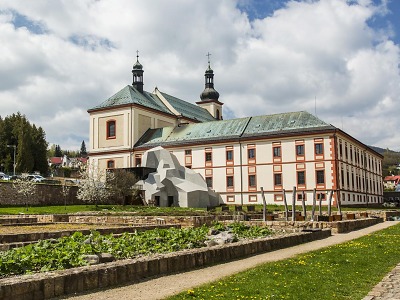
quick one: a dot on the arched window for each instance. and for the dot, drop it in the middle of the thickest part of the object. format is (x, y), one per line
(217, 114)
(111, 129)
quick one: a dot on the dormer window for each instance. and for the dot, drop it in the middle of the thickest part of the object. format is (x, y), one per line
(111, 132)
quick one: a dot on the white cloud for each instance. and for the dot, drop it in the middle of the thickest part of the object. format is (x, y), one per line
(305, 50)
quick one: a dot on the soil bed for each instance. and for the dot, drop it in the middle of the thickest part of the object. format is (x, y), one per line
(49, 228)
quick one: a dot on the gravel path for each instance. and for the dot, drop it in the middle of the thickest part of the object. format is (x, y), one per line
(165, 286)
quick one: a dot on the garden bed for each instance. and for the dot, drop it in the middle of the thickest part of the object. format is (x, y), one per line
(57, 283)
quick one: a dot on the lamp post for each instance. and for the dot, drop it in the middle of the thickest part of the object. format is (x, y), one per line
(15, 149)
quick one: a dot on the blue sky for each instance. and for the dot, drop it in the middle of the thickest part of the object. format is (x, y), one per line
(338, 59)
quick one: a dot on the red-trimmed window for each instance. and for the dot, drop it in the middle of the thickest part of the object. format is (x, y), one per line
(111, 129)
(277, 179)
(252, 181)
(251, 153)
(301, 177)
(209, 182)
(277, 151)
(319, 148)
(320, 175)
(229, 155)
(300, 150)
(110, 164)
(229, 181)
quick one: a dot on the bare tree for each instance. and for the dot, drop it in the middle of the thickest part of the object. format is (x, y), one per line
(65, 193)
(25, 187)
(93, 186)
(122, 183)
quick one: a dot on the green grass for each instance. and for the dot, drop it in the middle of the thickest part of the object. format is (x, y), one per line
(140, 210)
(106, 209)
(345, 271)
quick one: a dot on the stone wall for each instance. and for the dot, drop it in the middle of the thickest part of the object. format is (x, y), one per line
(336, 227)
(46, 194)
(58, 283)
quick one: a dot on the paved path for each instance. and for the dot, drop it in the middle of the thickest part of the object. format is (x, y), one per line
(388, 288)
(165, 286)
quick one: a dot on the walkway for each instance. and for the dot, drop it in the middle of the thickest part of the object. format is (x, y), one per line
(163, 287)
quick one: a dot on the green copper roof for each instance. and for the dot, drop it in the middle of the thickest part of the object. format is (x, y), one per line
(188, 109)
(284, 123)
(211, 131)
(129, 95)
(268, 125)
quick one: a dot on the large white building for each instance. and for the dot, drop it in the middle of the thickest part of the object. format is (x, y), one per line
(237, 157)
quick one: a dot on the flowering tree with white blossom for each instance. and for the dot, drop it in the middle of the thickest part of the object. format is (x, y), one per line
(94, 185)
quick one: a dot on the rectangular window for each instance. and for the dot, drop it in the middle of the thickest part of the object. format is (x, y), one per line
(319, 148)
(299, 149)
(111, 129)
(277, 151)
(209, 182)
(252, 180)
(208, 156)
(320, 174)
(138, 161)
(188, 152)
(229, 181)
(110, 164)
(229, 155)
(277, 179)
(251, 153)
(301, 179)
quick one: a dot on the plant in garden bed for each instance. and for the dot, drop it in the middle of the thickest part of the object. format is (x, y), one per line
(69, 251)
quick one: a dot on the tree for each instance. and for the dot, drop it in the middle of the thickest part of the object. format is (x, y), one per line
(39, 150)
(58, 152)
(30, 143)
(65, 193)
(25, 187)
(83, 152)
(93, 185)
(122, 184)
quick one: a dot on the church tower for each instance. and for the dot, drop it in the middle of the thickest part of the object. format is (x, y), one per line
(137, 73)
(209, 97)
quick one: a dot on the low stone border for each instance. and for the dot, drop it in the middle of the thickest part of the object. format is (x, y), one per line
(336, 227)
(54, 284)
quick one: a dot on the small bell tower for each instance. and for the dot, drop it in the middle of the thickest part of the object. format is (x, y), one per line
(137, 73)
(209, 97)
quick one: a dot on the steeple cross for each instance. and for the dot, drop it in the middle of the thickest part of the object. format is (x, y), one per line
(137, 55)
(208, 55)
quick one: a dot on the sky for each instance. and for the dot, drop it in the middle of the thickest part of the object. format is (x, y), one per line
(337, 59)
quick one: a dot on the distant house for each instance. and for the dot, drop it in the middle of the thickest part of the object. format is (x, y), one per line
(66, 162)
(390, 182)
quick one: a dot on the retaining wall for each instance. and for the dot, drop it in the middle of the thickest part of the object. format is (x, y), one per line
(58, 283)
(336, 227)
(46, 194)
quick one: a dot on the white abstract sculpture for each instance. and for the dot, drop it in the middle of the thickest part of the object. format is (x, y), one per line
(173, 184)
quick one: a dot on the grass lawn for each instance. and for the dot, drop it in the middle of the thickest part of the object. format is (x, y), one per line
(142, 210)
(345, 271)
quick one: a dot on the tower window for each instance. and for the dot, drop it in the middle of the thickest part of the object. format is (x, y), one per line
(111, 132)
